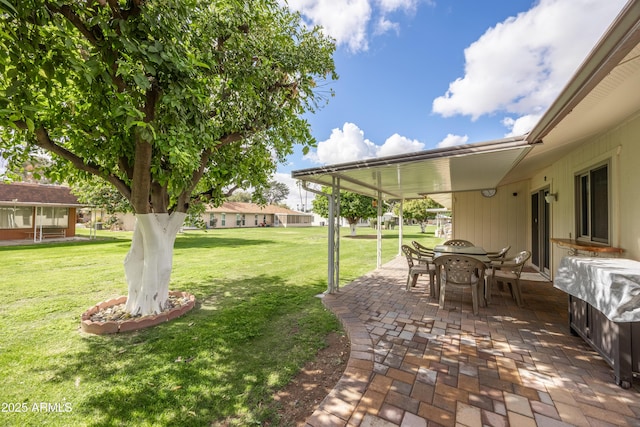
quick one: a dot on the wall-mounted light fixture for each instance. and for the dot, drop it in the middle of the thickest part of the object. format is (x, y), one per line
(551, 197)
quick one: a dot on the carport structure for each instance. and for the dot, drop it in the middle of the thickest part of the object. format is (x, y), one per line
(435, 173)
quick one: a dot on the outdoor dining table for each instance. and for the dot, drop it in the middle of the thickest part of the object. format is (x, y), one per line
(471, 251)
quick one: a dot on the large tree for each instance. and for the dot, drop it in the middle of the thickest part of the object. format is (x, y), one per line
(169, 101)
(353, 207)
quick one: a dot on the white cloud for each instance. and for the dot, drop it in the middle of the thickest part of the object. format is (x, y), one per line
(348, 21)
(388, 6)
(450, 140)
(349, 144)
(521, 125)
(344, 145)
(520, 65)
(345, 20)
(397, 144)
(384, 26)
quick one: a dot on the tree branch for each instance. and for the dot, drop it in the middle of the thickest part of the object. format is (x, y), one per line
(123, 164)
(115, 8)
(44, 141)
(185, 195)
(141, 184)
(93, 35)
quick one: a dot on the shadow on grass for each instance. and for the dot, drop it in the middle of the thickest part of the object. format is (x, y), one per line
(70, 243)
(217, 365)
(211, 240)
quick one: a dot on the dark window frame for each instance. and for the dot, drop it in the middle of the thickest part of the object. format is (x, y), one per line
(593, 203)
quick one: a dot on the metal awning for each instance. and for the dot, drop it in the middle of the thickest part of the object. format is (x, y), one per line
(415, 175)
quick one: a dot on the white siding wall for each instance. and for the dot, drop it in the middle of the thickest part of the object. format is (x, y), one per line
(622, 147)
(505, 219)
(495, 222)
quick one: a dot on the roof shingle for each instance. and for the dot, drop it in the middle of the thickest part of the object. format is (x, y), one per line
(36, 194)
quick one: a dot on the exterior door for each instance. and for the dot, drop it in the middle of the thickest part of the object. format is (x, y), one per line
(540, 235)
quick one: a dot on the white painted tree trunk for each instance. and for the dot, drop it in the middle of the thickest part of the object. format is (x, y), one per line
(353, 229)
(149, 262)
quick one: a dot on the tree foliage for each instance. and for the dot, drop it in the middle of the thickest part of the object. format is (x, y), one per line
(240, 196)
(275, 193)
(417, 210)
(101, 195)
(353, 206)
(169, 102)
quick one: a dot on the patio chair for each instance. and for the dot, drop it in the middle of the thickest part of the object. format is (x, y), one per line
(460, 271)
(426, 256)
(458, 242)
(507, 271)
(496, 258)
(499, 255)
(424, 250)
(418, 266)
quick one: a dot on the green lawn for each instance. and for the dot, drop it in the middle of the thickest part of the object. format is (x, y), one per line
(256, 322)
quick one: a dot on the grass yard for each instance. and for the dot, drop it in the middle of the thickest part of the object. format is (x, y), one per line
(256, 322)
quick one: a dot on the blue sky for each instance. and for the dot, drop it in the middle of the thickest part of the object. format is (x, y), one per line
(421, 74)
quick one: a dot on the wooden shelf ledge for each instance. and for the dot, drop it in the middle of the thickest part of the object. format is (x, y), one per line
(576, 245)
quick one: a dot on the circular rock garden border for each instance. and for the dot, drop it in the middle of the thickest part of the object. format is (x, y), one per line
(135, 323)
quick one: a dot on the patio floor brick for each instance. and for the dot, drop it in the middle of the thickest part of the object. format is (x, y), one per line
(414, 364)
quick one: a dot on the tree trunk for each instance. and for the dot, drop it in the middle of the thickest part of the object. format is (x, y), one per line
(353, 229)
(423, 227)
(148, 264)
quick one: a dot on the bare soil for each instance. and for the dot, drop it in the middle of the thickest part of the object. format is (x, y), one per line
(300, 398)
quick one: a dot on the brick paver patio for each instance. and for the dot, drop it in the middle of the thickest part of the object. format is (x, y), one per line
(414, 365)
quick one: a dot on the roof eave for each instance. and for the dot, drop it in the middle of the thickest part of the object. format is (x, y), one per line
(620, 38)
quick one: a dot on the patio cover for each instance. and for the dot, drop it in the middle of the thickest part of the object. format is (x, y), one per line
(432, 172)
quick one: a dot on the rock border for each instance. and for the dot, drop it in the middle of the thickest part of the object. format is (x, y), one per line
(133, 324)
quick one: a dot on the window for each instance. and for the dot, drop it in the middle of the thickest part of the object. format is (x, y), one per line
(53, 217)
(256, 220)
(592, 204)
(238, 220)
(223, 220)
(16, 217)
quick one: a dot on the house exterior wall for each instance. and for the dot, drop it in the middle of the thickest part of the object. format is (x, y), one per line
(493, 222)
(505, 219)
(127, 221)
(231, 220)
(621, 147)
(27, 232)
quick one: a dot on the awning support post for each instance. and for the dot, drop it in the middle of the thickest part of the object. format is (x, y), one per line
(334, 237)
(333, 261)
(400, 226)
(379, 235)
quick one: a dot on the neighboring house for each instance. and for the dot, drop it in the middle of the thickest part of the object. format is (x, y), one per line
(36, 211)
(575, 176)
(239, 214)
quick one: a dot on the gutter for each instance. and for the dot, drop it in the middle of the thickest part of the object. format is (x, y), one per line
(456, 151)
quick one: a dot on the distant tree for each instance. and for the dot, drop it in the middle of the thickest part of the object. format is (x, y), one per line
(275, 193)
(417, 210)
(31, 170)
(353, 207)
(99, 194)
(240, 196)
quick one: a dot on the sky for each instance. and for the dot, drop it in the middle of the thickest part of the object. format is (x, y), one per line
(422, 74)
